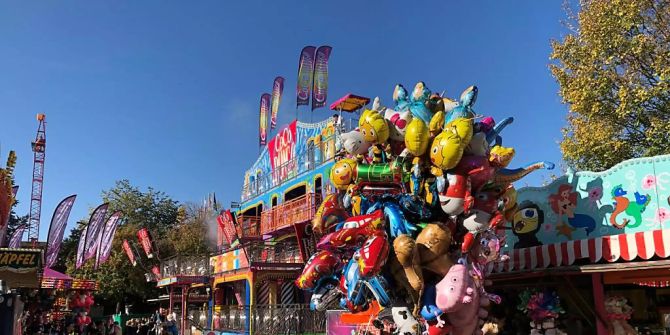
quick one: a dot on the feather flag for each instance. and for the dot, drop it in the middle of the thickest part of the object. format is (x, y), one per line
(320, 90)
(57, 229)
(277, 90)
(264, 110)
(15, 240)
(305, 75)
(107, 237)
(95, 224)
(80, 248)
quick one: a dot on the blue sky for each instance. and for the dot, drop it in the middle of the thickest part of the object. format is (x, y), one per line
(165, 93)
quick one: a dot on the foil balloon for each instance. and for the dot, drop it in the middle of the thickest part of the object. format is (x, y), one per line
(398, 122)
(446, 150)
(342, 173)
(373, 126)
(417, 137)
(464, 107)
(354, 143)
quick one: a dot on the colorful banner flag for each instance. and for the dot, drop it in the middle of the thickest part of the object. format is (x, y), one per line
(156, 271)
(80, 248)
(15, 240)
(95, 224)
(305, 75)
(129, 252)
(277, 90)
(57, 229)
(107, 237)
(320, 89)
(226, 221)
(264, 111)
(3, 228)
(145, 240)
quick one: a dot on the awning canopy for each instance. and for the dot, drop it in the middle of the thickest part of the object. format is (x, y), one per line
(349, 103)
(54, 279)
(643, 245)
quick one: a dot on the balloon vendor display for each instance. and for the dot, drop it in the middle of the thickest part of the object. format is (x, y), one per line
(423, 188)
(543, 309)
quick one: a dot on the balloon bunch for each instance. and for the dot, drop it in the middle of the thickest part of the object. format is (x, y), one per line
(80, 305)
(618, 314)
(423, 187)
(542, 308)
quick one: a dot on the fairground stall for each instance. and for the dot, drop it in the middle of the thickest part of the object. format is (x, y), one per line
(186, 280)
(20, 271)
(265, 241)
(68, 300)
(601, 241)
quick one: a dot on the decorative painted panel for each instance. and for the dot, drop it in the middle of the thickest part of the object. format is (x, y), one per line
(229, 261)
(632, 196)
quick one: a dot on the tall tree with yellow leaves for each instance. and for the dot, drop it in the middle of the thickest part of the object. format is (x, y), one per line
(614, 73)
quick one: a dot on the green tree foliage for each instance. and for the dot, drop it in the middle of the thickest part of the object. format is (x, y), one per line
(174, 229)
(614, 72)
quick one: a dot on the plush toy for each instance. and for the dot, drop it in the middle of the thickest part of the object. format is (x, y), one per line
(618, 314)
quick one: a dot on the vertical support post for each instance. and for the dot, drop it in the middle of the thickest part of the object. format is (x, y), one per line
(249, 302)
(599, 302)
(171, 300)
(184, 310)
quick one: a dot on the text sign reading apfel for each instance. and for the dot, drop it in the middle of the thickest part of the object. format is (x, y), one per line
(19, 260)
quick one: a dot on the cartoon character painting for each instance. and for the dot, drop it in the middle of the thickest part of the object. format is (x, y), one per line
(633, 209)
(526, 223)
(564, 202)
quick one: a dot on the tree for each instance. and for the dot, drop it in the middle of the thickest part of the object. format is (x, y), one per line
(190, 236)
(118, 279)
(614, 72)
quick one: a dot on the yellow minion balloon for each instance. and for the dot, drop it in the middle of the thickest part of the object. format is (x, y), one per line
(417, 137)
(446, 150)
(373, 127)
(342, 173)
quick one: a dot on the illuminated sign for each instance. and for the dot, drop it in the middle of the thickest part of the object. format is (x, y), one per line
(17, 260)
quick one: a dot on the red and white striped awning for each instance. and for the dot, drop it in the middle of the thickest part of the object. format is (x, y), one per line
(610, 248)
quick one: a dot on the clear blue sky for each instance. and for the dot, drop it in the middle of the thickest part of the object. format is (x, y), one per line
(166, 93)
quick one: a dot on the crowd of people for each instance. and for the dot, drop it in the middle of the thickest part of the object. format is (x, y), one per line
(158, 324)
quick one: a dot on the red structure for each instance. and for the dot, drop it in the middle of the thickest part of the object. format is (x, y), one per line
(39, 148)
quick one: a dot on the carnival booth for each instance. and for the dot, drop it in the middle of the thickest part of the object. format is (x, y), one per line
(602, 241)
(70, 300)
(19, 276)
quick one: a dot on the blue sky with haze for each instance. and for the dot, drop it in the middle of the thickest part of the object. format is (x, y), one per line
(165, 93)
